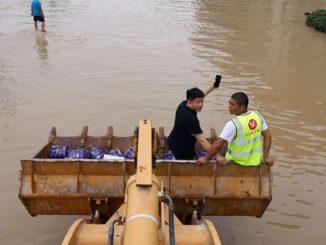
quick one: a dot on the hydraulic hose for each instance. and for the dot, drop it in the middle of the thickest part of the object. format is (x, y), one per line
(169, 202)
(111, 232)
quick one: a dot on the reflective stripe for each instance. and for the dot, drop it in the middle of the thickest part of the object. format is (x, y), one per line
(147, 216)
(261, 118)
(244, 153)
(238, 125)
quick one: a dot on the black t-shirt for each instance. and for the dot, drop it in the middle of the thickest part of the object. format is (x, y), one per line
(182, 139)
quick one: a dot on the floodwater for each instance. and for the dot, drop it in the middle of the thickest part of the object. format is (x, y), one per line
(107, 63)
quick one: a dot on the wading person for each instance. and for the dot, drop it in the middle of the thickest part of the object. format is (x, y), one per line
(186, 130)
(247, 136)
(37, 13)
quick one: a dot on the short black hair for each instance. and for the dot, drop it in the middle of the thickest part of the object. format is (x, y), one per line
(194, 93)
(241, 98)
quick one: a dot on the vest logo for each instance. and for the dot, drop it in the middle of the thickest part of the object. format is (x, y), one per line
(252, 124)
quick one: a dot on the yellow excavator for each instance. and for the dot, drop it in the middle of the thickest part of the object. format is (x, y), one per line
(143, 201)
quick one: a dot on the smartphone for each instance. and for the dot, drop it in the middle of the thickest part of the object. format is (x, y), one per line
(217, 81)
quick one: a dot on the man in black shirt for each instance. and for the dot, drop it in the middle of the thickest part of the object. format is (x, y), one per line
(186, 128)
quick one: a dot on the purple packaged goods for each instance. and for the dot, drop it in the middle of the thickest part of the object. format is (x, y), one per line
(130, 153)
(169, 156)
(58, 152)
(97, 153)
(116, 152)
(78, 153)
(203, 153)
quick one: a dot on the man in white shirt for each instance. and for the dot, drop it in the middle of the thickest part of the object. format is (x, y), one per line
(247, 135)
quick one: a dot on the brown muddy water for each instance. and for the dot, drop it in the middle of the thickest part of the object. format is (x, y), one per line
(114, 62)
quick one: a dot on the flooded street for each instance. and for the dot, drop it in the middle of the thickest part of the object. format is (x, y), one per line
(107, 63)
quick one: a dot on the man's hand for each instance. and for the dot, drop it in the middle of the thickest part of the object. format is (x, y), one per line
(217, 81)
(221, 160)
(202, 161)
(268, 161)
(214, 86)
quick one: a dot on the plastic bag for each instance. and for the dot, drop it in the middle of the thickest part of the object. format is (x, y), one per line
(116, 152)
(130, 153)
(80, 153)
(58, 152)
(97, 153)
(203, 153)
(169, 156)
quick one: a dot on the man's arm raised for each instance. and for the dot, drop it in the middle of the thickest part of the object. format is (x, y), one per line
(214, 86)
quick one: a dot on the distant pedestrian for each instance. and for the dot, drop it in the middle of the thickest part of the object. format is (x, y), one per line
(37, 13)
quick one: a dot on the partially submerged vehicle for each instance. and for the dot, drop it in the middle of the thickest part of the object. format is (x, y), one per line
(100, 188)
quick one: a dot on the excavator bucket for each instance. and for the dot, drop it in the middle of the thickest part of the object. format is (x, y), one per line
(81, 186)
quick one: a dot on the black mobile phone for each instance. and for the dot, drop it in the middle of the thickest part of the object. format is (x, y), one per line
(217, 81)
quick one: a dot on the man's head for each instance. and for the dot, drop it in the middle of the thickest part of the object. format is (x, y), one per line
(238, 103)
(195, 99)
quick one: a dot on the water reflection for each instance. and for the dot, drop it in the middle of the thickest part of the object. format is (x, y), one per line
(41, 45)
(286, 226)
(300, 216)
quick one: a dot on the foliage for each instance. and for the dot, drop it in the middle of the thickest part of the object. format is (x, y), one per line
(317, 19)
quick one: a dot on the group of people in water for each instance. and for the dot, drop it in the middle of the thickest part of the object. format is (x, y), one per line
(246, 136)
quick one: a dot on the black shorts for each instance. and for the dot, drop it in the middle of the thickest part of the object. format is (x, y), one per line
(39, 18)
